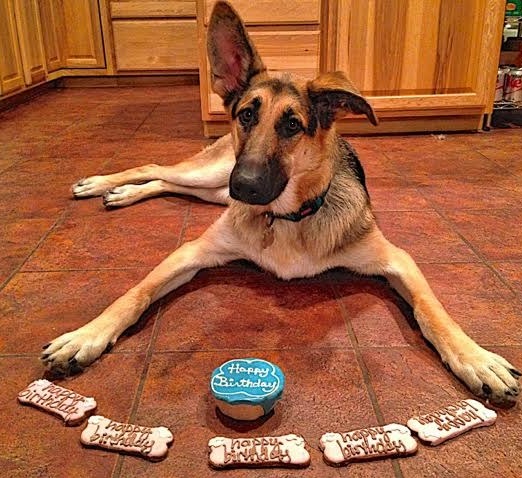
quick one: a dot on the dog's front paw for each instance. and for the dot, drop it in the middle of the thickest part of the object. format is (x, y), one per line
(488, 375)
(122, 195)
(90, 187)
(73, 351)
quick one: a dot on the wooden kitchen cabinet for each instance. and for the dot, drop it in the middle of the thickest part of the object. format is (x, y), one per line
(11, 71)
(29, 39)
(81, 35)
(51, 29)
(424, 64)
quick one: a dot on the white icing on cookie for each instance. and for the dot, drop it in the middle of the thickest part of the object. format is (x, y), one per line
(105, 433)
(72, 407)
(95, 419)
(451, 421)
(367, 443)
(286, 450)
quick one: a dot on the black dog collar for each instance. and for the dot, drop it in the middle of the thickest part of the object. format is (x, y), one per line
(308, 208)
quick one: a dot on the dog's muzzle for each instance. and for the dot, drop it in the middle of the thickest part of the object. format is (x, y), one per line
(257, 183)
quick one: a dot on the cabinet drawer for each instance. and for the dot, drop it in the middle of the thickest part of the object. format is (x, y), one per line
(282, 51)
(151, 9)
(155, 44)
(265, 12)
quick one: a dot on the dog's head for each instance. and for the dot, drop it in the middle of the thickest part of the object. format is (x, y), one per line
(279, 125)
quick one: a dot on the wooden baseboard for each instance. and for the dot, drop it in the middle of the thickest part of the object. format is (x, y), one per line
(430, 124)
(427, 124)
(118, 81)
(23, 96)
(215, 129)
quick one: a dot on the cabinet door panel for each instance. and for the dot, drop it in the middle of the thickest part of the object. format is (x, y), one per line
(417, 47)
(81, 36)
(29, 37)
(11, 72)
(50, 34)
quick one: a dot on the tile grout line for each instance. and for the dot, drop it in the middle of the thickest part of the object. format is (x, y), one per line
(357, 351)
(506, 282)
(156, 105)
(364, 371)
(130, 268)
(482, 259)
(141, 385)
(494, 161)
(476, 251)
(182, 230)
(117, 151)
(39, 144)
(42, 239)
(213, 351)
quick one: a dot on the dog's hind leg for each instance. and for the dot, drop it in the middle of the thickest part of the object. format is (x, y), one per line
(130, 193)
(205, 175)
(485, 373)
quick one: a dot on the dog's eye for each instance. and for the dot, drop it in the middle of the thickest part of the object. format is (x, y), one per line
(245, 116)
(293, 126)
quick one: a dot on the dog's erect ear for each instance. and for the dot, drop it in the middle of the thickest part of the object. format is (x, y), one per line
(233, 57)
(333, 96)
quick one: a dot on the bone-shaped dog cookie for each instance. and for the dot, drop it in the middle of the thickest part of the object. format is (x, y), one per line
(367, 443)
(286, 450)
(72, 407)
(452, 420)
(152, 443)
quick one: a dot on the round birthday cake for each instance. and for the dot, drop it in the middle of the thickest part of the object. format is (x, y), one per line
(247, 389)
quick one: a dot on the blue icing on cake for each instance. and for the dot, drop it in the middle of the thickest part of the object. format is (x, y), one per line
(248, 382)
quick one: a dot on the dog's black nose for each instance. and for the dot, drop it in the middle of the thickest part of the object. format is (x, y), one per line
(249, 189)
(257, 182)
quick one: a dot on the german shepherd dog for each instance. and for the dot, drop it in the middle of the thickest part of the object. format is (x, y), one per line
(297, 206)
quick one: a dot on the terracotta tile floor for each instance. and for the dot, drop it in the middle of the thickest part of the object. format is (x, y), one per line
(351, 355)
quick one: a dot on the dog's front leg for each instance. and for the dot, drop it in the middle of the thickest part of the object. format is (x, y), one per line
(81, 347)
(486, 374)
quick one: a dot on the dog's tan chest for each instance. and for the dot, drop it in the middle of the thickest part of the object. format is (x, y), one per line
(285, 264)
(286, 256)
(287, 249)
